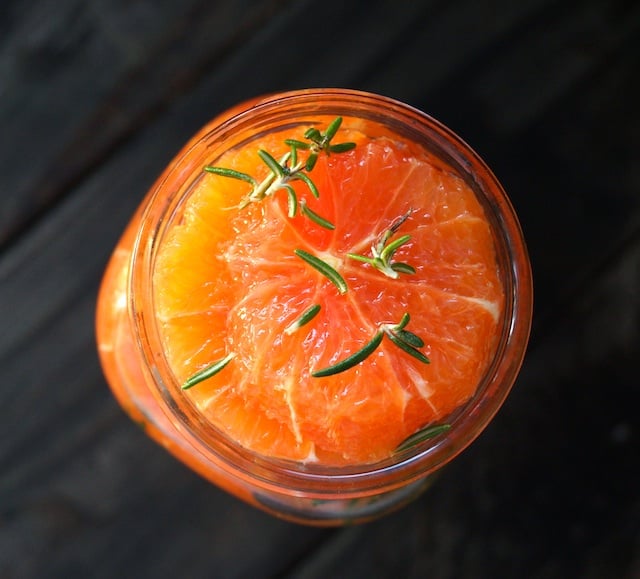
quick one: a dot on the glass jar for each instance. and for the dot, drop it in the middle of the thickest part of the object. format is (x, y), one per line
(137, 371)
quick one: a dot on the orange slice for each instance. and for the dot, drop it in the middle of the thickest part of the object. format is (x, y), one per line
(228, 281)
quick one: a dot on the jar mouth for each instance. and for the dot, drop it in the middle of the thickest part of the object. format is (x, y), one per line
(467, 422)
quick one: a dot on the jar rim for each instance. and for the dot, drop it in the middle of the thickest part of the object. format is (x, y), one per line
(467, 422)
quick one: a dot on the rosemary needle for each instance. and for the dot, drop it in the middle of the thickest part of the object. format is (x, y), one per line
(352, 360)
(232, 173)
(208, 372)
(321, 221)
(304, 319)
(407, 346)
(404, 339)
(324, 268)
(425, 434)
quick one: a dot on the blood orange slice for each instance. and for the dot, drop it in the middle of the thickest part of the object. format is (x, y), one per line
(229, 282)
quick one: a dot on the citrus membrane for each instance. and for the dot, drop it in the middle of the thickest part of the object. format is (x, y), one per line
(229, 283)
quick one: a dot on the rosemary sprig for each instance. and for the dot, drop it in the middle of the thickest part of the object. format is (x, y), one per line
(320, 142)
(324, 268)
(304, 319)
(426, 433)
(384, 250)
(290, 168)
(404, 339)
(208, 372)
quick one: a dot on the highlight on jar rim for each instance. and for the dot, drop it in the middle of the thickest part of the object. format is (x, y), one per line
(324, 298)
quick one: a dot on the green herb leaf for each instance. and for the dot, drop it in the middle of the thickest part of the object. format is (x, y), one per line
(275, 167)
(387, 253)
(232, 173)
(208, 372)
(304, 319)
(404, 339)
(342, 147)
(401, 267)
(321, 221)
(332, 129)
(308, 182)
(294, 156)
(425, 434)
(410, 338)
(297, 144)
(361, 258)
(292, 201)
(311, 161)
(352, 360)
(409, 349)
(402, 324)
(324, 268)
(313, 134)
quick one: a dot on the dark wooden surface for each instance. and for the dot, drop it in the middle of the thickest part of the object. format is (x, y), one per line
(97, 96)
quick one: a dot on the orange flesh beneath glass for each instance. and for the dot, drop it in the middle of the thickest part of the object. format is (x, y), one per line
(227, 280)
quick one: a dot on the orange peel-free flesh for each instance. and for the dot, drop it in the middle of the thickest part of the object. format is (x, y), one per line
(227, 280)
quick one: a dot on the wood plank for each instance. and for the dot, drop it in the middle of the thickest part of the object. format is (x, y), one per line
(548, 136)
(79, 78)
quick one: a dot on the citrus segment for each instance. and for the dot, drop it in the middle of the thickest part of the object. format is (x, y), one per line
(227, 280)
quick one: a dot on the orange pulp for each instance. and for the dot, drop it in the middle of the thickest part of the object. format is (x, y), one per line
(227, 280)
